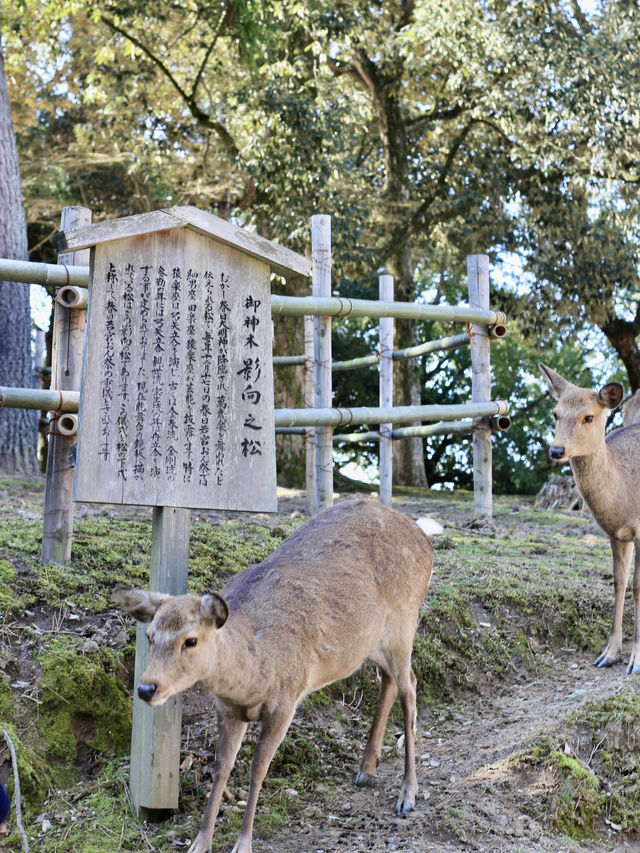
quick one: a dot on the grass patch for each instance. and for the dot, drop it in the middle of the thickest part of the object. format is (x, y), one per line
(592, 770)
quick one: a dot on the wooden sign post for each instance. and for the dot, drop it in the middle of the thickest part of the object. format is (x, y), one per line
(176, 406)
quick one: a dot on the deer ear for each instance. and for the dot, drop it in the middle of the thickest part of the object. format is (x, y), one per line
(213, 608)
(610, 395)
(138, 603)
(556, 384)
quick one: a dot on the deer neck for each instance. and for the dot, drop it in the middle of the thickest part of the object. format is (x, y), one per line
(236, 665)
(591, 472)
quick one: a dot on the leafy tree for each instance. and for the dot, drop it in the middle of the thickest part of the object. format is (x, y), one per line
(428, 131)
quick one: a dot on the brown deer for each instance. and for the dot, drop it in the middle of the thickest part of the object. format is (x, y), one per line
(346, 587)
(631, 411)
(607, 474)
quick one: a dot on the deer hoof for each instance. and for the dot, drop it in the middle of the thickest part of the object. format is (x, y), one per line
(405, 805)
(364, 778)
(199, 846)
(605, 660)
(633, 668)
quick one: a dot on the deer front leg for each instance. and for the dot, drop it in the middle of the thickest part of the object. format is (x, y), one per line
(634, 660)
(621, 564)
(274, 728)
(231, 733)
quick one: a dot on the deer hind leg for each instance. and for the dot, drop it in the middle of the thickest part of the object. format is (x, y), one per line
(634, 660)
(621, 564)
(386, 697)
(406, 681)
(231, 734)
(398, 663)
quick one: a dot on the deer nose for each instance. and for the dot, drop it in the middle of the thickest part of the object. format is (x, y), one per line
(147, 691)
(556, 452)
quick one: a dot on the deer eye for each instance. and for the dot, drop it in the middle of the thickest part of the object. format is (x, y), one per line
(190, 642)
(587, 419)
(556, 416)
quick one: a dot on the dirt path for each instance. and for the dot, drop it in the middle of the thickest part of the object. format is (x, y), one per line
(470, 799)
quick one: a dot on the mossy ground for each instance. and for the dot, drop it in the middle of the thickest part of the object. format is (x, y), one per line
(499, 597)
(592, 768)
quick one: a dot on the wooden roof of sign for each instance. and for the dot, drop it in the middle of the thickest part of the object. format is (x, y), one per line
(281, 260)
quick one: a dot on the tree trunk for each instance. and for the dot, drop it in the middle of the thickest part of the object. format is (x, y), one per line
(18, 427)
(408, 453)
(621, 334)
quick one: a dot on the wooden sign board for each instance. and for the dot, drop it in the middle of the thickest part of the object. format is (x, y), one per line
(177, 407)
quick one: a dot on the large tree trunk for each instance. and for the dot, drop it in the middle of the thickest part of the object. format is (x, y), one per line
(18, 427)
(621, 334)
(408, 453)
(386, 98)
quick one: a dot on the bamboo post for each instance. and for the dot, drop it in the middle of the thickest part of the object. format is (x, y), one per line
(321, 287)
(385, 284)
(309, 432)
(66, 373)
(155, 737)
(478, 278)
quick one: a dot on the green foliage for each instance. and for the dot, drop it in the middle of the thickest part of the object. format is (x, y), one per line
(84, 701)
(427, 132)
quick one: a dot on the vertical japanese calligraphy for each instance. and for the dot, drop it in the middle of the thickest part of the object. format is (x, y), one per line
(250, 443)
(124, 373)
(111, 282)
(222, 382)
(188, 413)
(177, 399)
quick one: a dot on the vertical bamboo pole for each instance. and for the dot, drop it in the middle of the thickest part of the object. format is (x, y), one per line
(66, 374)
(385, 283)
(478, 278)
(155, 737)
(310, 432)
(321, 286)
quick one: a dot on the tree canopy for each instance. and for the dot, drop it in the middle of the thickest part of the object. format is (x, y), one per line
(427, 130)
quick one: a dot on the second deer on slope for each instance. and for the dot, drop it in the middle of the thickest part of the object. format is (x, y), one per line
(607, 474)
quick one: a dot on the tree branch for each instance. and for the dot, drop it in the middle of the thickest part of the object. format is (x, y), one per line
(190, 99)
(417, 220)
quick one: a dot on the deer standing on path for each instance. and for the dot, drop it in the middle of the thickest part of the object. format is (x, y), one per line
(344, 588)
(607, 474)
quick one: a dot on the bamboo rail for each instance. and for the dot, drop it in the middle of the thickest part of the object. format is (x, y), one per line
(336, 306)
(439, 345)
(69, 401)
(290, 306)
(37, 398)
(499, 423)
(30, 272)
(394, 414)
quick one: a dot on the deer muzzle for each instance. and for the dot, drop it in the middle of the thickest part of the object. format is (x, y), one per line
(146, 692)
